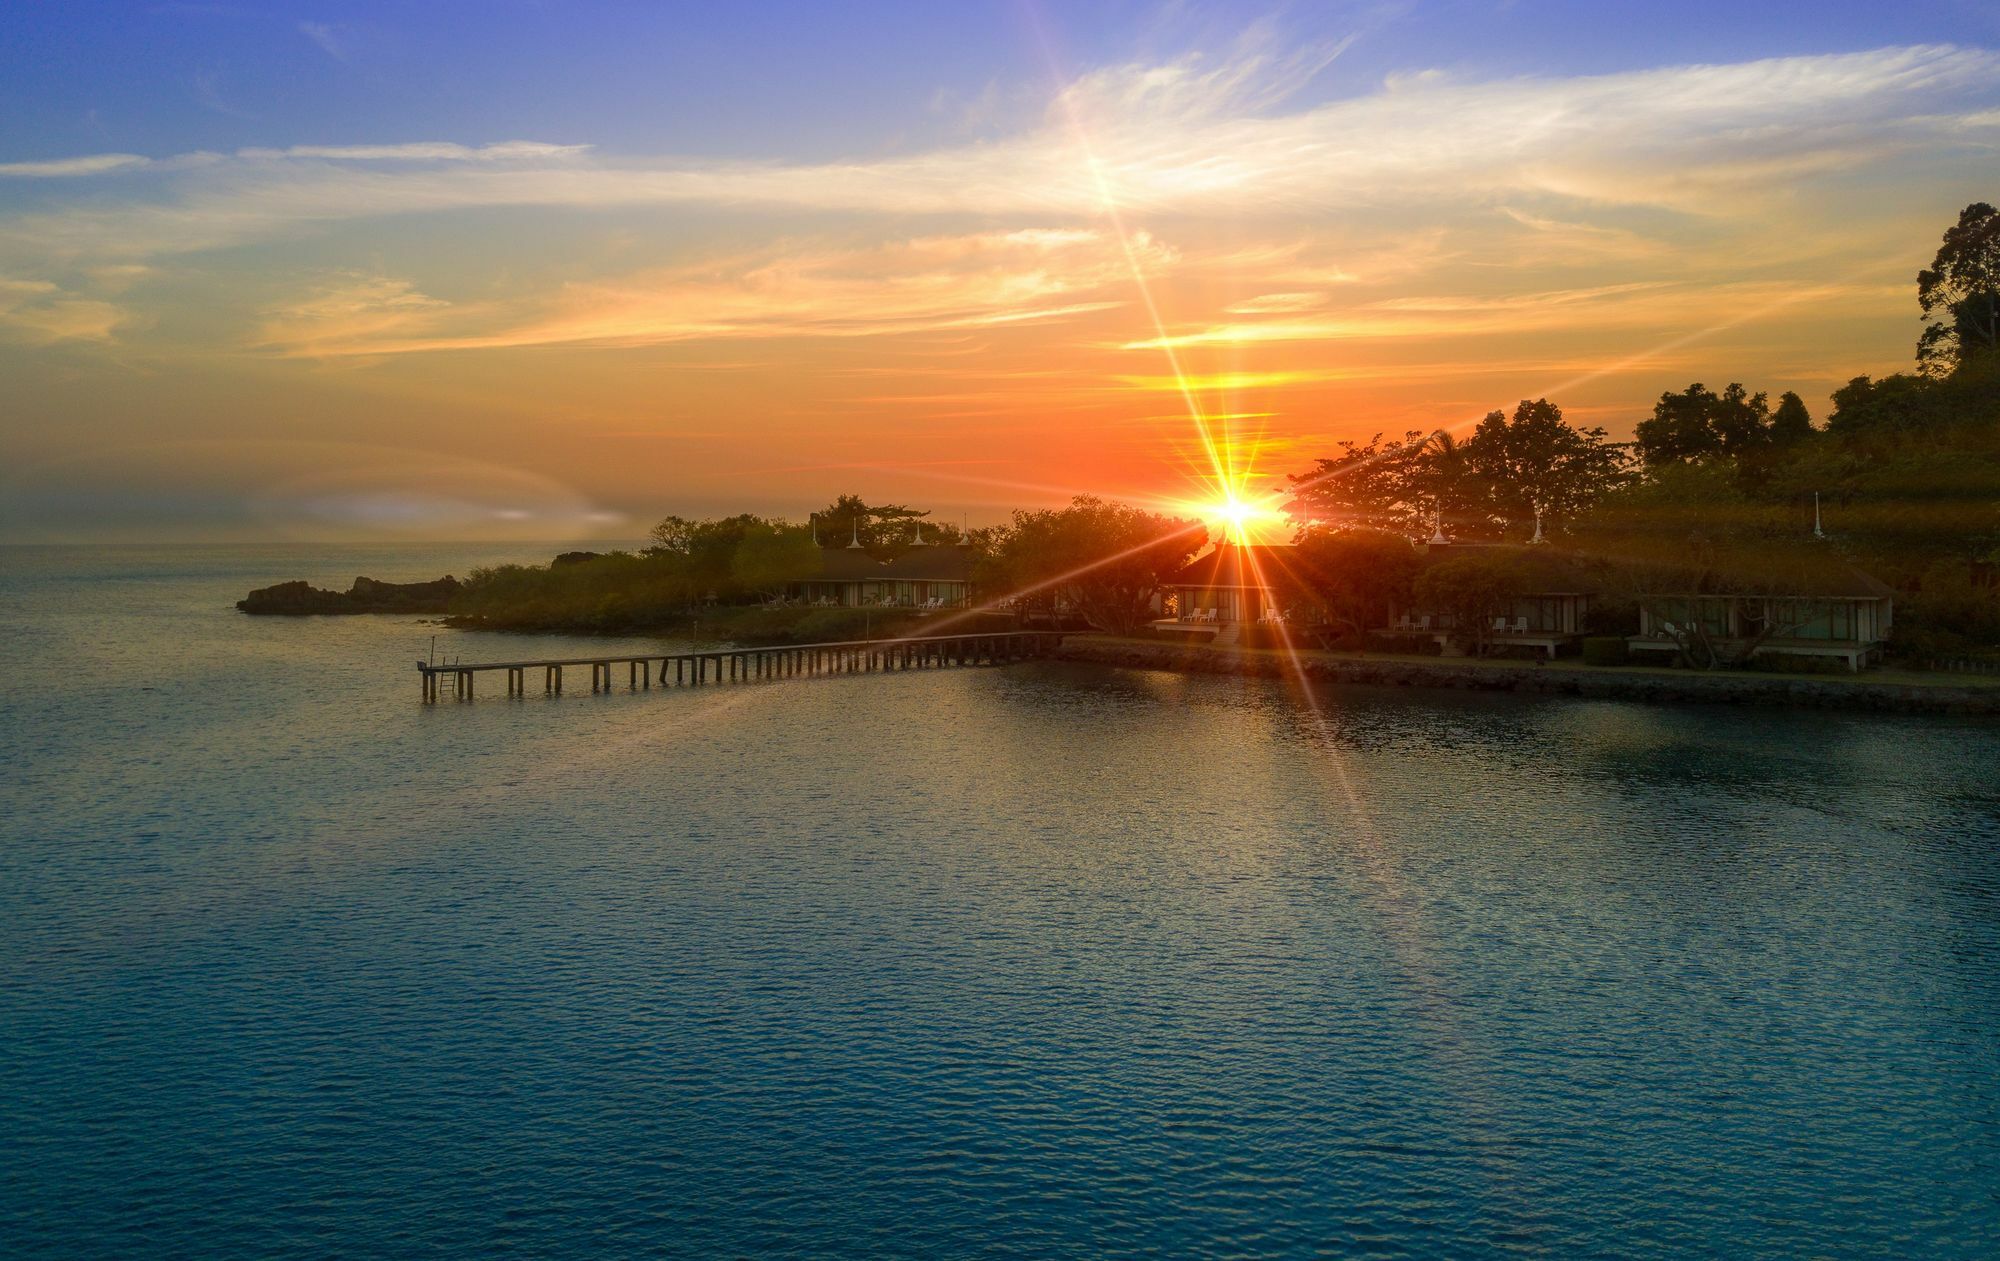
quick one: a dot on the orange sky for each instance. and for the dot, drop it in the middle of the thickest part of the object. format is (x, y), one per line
(542, 340)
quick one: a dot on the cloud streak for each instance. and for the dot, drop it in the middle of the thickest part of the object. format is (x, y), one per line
(983, 280)
(1183, 139)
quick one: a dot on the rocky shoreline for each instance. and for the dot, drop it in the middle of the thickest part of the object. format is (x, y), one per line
(1655, 686)
(302, 599)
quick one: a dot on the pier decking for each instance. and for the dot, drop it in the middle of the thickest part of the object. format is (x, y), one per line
(744, 665)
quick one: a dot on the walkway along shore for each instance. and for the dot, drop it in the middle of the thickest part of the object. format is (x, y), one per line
(1526, 678)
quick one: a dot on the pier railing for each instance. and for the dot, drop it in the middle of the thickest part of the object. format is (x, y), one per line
(744, 665)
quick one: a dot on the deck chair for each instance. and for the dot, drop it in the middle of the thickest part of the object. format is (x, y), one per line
(1520, 626)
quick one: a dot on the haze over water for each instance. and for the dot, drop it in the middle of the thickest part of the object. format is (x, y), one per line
(1026, 961)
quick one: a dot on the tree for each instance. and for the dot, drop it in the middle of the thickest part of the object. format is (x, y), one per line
(1960, 294)
(1791, 422)
(1690, 533)
(1537, 470)
(884, 529)
(705, 551)
(1344, 579)
(771, 557)
(1104, 560)
(1473, 590)
(1378, 486)
(1698, 424)
(1448, 478)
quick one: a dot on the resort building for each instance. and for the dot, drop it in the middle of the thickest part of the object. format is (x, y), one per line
(1224, 589)
(931, 576)
(1826, 610)
(1546, 615)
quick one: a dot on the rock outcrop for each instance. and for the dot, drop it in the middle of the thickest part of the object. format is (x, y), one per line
(296, 599)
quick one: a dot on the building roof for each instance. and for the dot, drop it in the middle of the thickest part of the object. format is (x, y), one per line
(934, 563)
(1548, 569)
(1804, 571)
(1236, 565)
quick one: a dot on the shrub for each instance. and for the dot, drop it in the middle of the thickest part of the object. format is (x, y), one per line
(1605, 650)
(1610, 615)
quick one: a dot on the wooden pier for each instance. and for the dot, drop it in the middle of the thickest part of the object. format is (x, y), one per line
(746, 665)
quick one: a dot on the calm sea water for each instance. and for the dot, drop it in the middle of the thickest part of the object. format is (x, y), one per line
(1033, 961)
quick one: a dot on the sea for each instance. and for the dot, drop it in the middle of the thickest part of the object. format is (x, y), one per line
(1041, 960)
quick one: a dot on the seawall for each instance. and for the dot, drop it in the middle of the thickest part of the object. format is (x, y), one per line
(1655, 686)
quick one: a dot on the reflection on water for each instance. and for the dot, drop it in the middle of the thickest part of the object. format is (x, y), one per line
(1025, 961)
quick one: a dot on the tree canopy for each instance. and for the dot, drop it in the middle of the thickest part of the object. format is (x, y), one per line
(1960, 295)
(883, 529)
(1105, 560)
(1511, 474)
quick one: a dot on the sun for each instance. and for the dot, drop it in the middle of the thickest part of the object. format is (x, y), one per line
(1239, 517)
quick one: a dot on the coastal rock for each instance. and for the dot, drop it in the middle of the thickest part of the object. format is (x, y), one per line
(367, 595)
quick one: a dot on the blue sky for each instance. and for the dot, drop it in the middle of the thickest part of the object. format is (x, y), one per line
(777, 80)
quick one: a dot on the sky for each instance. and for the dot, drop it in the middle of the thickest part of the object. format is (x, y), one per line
(549, 271)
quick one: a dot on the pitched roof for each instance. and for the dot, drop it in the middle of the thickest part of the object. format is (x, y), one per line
(935, 563)
(1235, 565)
(1548, 569)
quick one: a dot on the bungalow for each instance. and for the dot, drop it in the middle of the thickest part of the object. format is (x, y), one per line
(1547, 612)
(1225, 588)
(1823, 609)
(924, 577)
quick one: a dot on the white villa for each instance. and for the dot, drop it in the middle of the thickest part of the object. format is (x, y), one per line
(1837, 612)
(1548, 616)
(931, 576)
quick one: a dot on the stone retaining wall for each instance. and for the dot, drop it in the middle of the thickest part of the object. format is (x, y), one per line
(1536, 680)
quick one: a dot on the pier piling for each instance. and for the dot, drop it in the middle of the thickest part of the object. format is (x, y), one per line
(745, 665)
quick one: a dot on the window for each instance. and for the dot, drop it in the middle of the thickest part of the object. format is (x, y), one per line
(1814, 619)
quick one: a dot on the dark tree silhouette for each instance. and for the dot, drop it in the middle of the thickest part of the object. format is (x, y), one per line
(1960, 294)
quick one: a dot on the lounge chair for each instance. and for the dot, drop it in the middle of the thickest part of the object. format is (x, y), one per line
(1520, 626)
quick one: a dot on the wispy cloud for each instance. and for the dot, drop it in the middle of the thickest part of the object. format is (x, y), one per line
(919, 285)
(69, 168)
(1185, 138)
(1638, 304)
(331, 39)
(41, 312)
(207, 87)
(422, 151)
